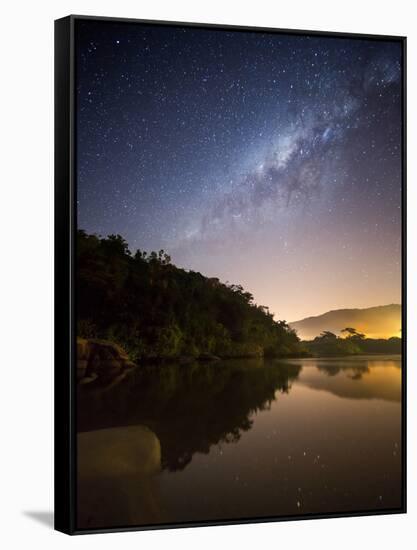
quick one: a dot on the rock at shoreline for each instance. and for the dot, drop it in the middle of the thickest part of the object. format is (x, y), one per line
(100, 360)
(116, 476)
(129, 450)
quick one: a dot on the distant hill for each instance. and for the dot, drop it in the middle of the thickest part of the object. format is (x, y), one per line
(374, 322)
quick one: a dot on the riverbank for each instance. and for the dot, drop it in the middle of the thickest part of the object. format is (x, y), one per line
(105, 361)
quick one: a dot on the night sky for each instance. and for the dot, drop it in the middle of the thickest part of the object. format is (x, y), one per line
(267, 160)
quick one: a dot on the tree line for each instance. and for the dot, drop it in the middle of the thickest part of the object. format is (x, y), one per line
(351, 342)
(156, 310)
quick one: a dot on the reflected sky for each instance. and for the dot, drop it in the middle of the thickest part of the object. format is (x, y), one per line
(378, 379)
(254, 439)
(313, 451)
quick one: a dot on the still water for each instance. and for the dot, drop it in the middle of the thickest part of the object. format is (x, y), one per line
(241, 439)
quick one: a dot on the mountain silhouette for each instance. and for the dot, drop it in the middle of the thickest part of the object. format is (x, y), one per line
(374, 322)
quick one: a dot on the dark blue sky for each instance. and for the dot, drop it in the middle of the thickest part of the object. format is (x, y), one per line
(269, 160)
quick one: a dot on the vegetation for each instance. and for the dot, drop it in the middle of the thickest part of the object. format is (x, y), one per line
(351, 342)
(156, 310)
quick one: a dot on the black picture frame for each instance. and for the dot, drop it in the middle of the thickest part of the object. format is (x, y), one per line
(65, 227)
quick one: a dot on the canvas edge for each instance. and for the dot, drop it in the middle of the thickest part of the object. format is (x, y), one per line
(64, 472)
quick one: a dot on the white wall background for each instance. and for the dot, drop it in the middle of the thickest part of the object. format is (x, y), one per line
(26, 289)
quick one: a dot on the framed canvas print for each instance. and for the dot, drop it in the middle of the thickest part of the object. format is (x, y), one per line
(230, 283)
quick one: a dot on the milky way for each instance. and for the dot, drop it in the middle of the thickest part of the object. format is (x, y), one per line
(269, 160)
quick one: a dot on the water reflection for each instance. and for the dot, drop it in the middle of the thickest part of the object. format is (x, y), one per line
(379, 378)
(240, 439)
(191, 407)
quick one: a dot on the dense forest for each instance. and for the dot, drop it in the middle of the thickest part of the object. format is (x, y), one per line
(156, 310)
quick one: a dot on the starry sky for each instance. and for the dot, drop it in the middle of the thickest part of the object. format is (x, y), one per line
(267, 160)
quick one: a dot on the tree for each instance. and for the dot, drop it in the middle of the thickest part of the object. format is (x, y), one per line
(351, 332)
(327, 335)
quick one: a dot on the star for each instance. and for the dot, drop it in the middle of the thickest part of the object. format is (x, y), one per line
(245, 156)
